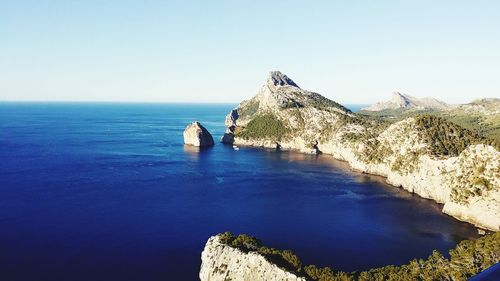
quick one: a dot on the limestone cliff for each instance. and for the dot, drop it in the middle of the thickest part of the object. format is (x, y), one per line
(196, 135)
(243, 257)
(222, 262)
(423, 154)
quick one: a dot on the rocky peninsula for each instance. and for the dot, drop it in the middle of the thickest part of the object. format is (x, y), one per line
(423, 154)
(224, 262)
(230, 257)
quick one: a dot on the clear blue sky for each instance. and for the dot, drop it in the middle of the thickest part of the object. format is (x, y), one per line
(221, 51)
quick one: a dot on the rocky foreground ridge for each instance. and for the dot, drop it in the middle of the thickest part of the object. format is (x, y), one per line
(423, 154)
(224, 262)
(243, 257)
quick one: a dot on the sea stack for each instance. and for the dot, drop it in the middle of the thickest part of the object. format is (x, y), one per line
(230, 123)
(195, 134)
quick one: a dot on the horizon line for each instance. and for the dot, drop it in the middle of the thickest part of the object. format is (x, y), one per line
(136, 102)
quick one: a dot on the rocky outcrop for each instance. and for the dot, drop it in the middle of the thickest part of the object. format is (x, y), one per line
(402, 101)
(436, 161)
(222, 262)
(195, 134)
(228, 137)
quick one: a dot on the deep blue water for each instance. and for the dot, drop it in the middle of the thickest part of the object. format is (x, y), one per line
(109, 192)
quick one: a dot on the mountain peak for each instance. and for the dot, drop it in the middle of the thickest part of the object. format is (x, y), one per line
(277, 79)
(400, 99)
(280, 92)
(397, 95)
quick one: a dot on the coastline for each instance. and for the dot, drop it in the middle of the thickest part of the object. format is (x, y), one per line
(455, 211)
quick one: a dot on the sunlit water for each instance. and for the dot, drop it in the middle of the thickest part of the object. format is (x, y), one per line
(109, 192)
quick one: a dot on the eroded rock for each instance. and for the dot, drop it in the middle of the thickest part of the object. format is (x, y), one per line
(195, 134)
(223, 262)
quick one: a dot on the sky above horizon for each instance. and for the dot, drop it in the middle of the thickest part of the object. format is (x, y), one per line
(222, 51)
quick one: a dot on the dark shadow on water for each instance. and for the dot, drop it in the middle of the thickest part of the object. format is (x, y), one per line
(195, 152)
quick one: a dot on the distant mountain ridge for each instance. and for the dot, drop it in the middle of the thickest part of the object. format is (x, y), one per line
(402, 101)
(486, 106)
(481, 115)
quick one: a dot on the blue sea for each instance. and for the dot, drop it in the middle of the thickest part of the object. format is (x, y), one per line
(102, 191)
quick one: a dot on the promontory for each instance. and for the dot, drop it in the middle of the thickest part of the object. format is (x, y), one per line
(423, 154)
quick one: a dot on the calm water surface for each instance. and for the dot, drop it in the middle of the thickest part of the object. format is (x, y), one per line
(109, 192)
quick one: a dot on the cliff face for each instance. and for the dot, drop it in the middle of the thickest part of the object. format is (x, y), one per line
(425, 155)
(222, 262)
(243, 257)
(195, 134)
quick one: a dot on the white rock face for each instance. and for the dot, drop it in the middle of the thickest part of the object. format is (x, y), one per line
(195, 134)
(228, 137)
(399, 100)
(222, 262)
(468, 184)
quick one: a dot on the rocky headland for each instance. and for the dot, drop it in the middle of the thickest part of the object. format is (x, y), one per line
(423, 154)
(242, 257)
(221, 261)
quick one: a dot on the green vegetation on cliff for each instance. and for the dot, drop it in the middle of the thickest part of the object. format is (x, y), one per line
(283, 258)
(484, 125)
(264, 126)
(466, 260)
(250, 108)
(476, 179)
(478, 122)
(480, 116)
(320, 102)
(446, 138)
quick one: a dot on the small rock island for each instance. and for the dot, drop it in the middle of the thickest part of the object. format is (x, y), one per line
(196, 135)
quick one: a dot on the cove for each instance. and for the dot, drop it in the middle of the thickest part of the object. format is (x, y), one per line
(108, 191)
